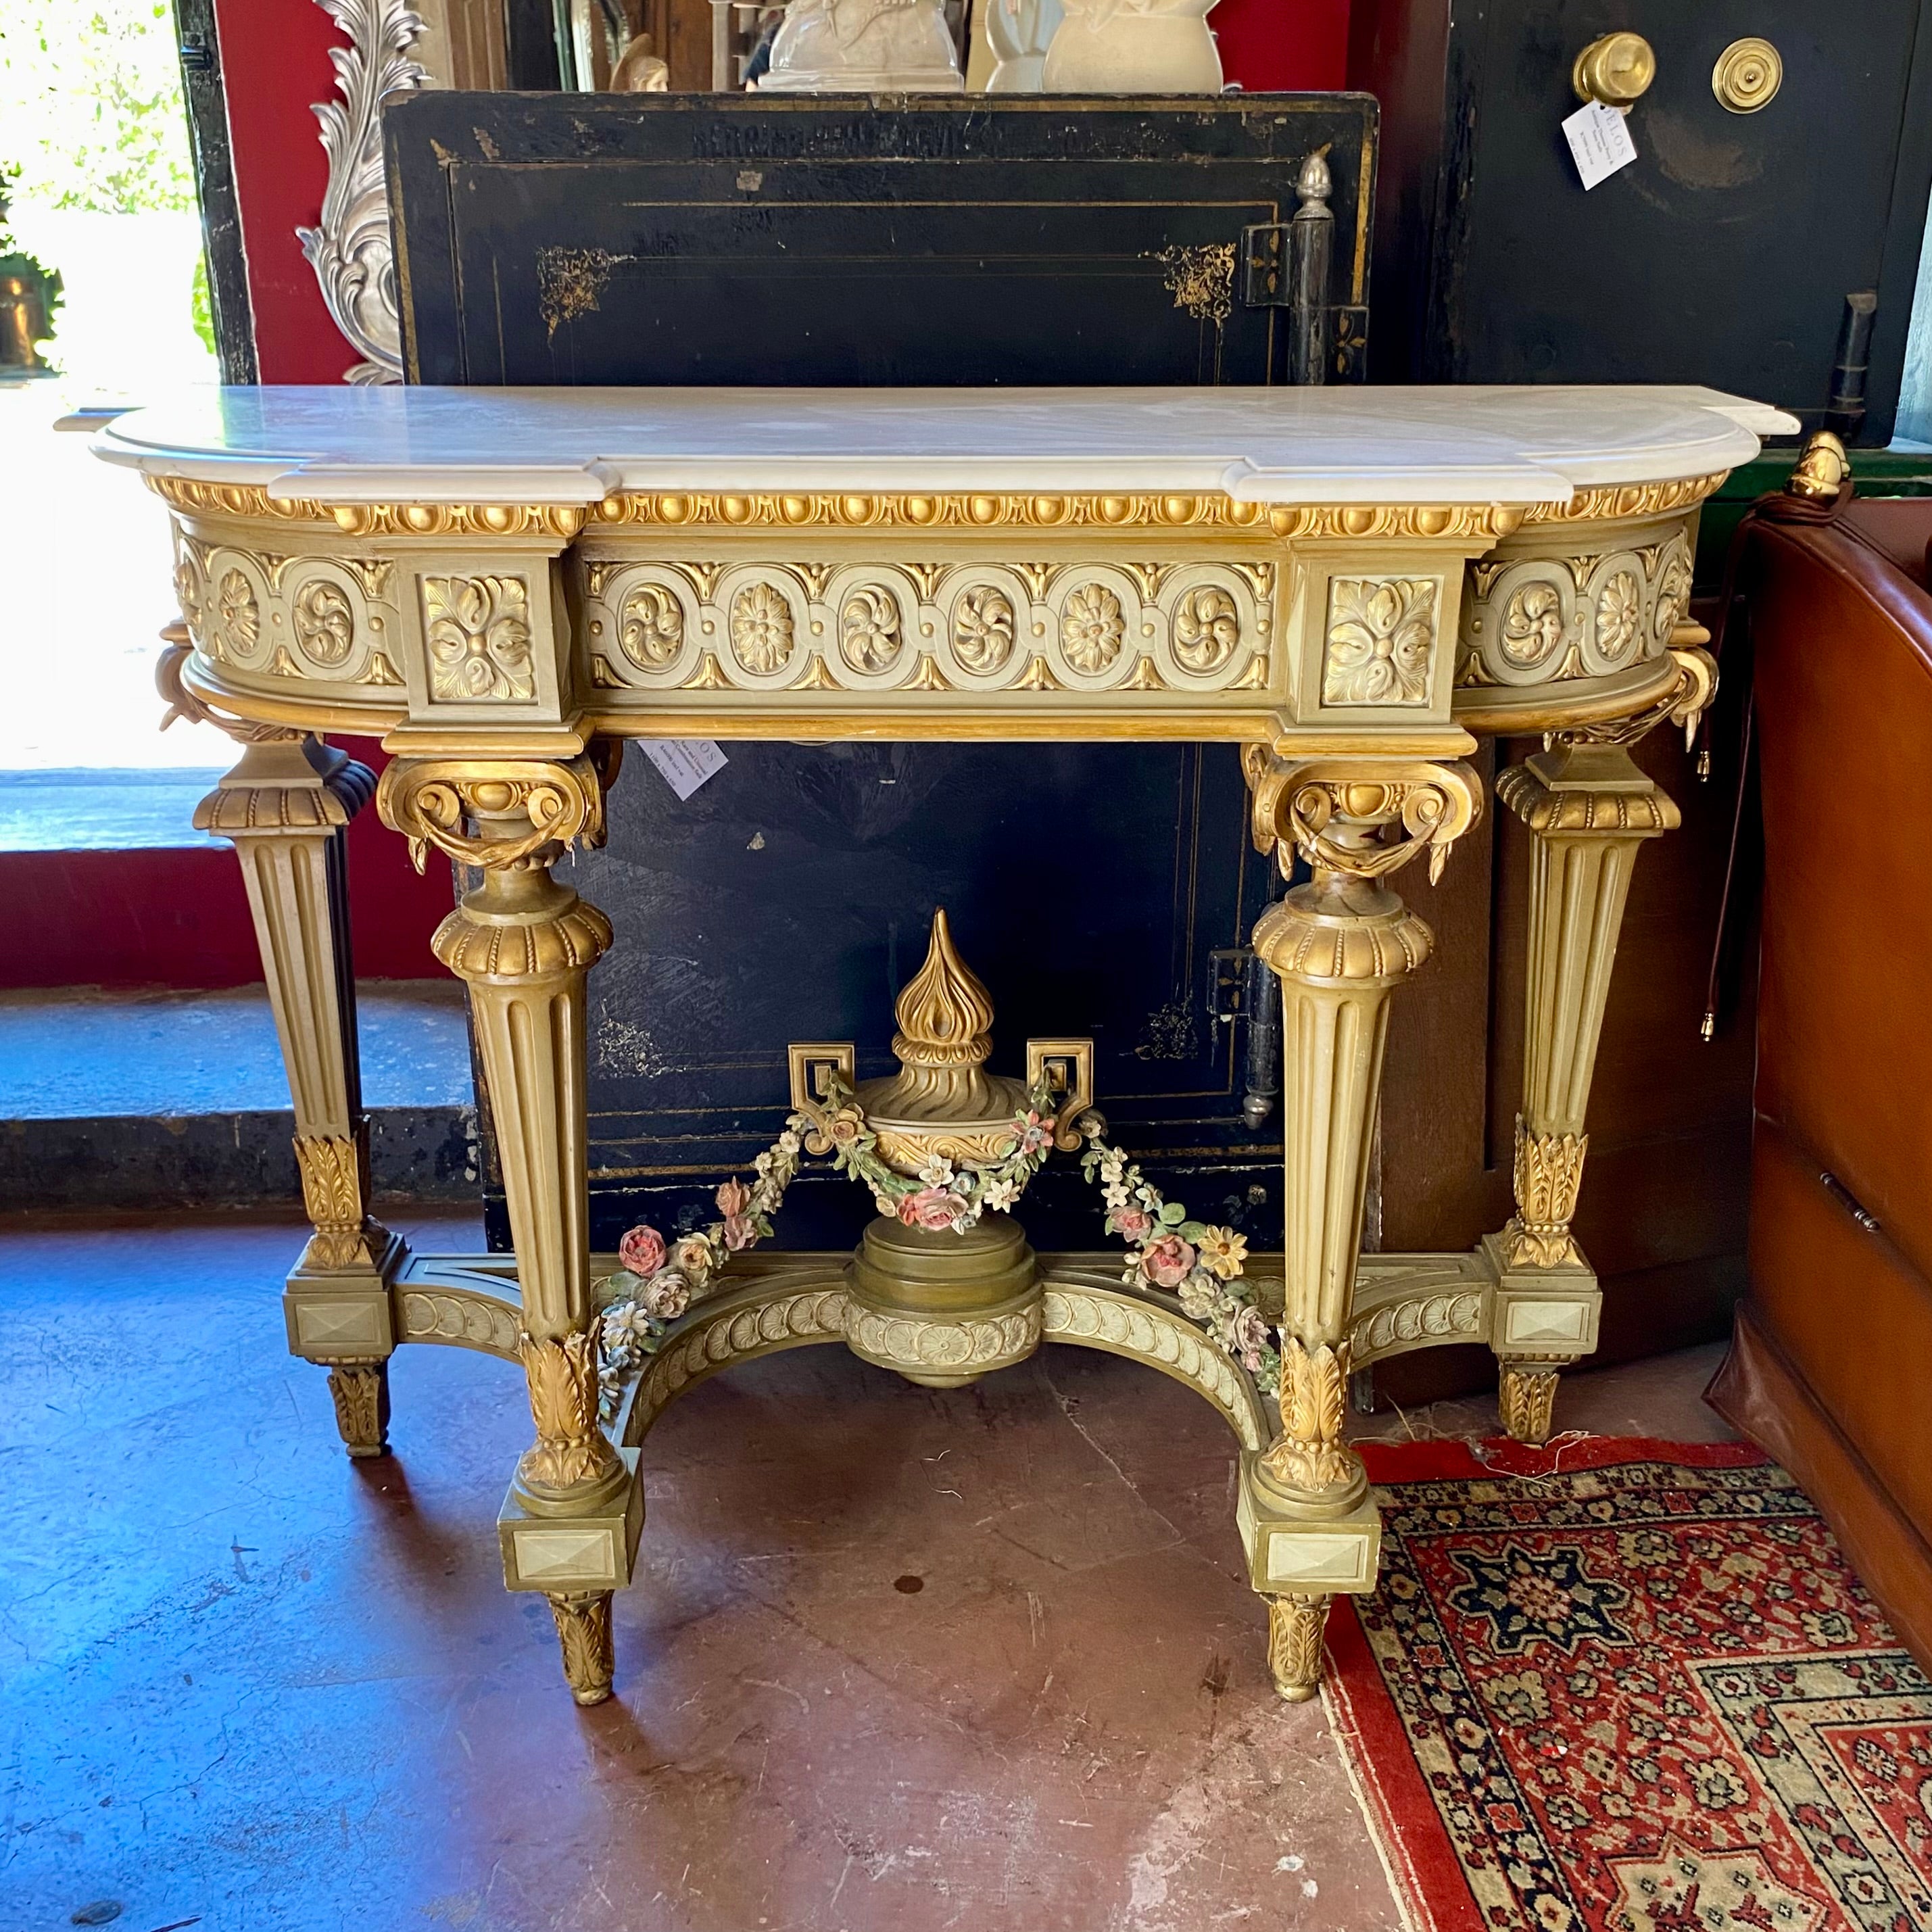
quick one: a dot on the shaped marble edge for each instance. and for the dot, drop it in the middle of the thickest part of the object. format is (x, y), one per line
(1441, 444)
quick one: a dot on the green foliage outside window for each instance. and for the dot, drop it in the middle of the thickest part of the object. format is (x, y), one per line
(91, 110)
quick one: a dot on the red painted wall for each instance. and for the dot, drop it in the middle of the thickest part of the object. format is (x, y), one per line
(1284, 46)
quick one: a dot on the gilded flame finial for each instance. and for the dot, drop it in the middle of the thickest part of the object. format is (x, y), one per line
(945, 1014)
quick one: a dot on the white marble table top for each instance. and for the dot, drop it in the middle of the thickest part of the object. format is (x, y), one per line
(1442, 444)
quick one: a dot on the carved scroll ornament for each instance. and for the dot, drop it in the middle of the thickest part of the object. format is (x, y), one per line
(435, 802)
(1367, 818)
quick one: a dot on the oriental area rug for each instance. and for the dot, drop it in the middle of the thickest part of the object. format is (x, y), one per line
(1618, 1686)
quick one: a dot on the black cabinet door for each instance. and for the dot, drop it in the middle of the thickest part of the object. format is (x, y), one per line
(1723, 254)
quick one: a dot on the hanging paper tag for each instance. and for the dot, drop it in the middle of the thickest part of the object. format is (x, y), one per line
(1600, 141)
(684, 763)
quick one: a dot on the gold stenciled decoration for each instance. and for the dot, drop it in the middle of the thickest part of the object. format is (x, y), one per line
(332, 1177)
(584, 1631)
(1295, 1626)
(1309, 1454)
(571, 1449)
(1549, 1175)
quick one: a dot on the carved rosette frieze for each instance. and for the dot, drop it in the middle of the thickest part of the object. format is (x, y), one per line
(495, 814)
(936, 1348)
(709, 625)
(360, 1392)
(1310, 1458)
(1296, 1625)
(1549, 1174)
(1540, 613)
(329, 620)
(1379, 649)
(334, 1173)
(583, 1632)
(571, 1453)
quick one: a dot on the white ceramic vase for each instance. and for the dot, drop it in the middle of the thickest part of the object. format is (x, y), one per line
(863, 47)
(1019, 32)
(1133, 47)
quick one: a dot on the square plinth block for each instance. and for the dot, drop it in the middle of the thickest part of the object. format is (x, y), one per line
(1314, 1556)
(572, 1554)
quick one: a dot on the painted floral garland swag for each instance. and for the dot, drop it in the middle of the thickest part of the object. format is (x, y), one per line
(1200, 1264)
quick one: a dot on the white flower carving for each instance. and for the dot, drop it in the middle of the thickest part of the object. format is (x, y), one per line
(1381, 637)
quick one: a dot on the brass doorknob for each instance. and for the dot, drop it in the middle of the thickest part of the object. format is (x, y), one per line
(1748, 73)
(1615, 70)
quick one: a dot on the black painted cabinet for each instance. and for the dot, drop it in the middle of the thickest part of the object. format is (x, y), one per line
(1724, 254)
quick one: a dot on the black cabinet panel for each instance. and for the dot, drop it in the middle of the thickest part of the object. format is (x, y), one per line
(734, 239)
(1723, 254)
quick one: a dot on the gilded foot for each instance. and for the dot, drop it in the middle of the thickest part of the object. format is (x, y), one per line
(360, 1393)
(1295, 1624)
(583, 1629)
(1527, 1399)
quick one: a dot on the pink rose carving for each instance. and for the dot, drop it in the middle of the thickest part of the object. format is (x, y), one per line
(931, 1207)
(642, 1251)
(1133, 1222)
(1167, 1261)
(739, 1232)
(733, 1198)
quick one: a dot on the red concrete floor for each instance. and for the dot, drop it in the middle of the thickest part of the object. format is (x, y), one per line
(897, 1658)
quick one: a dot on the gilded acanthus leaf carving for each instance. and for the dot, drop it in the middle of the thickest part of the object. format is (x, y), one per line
(1309, 1454)
(1549, 1174)
(1381, 640)
(332, 1178)
(478, 632)
(1296, 1624)
(761, 629)
(571, 1449)
(1206, 628)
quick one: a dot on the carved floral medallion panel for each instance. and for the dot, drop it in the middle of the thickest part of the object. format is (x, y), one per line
(970, 627)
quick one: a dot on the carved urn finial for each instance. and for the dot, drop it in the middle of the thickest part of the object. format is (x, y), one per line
(1821, 470)
(945, 1014)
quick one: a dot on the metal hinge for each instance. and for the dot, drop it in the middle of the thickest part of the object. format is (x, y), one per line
(197, 57)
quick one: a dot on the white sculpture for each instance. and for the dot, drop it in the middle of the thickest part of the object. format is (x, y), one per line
(863, 47)
(1018, 32)
(1133, 47)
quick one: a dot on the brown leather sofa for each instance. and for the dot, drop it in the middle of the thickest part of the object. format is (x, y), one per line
(1830, 1367)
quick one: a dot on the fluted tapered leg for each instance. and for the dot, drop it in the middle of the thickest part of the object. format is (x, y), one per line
(1340, 944)
(286, 806)
(1592, 810)
(524, 944)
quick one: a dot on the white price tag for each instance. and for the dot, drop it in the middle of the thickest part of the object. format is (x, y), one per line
(1600, 141)
(684, 763)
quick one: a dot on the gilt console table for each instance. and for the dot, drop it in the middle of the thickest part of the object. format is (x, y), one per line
(504, 585)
